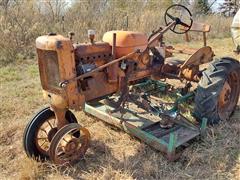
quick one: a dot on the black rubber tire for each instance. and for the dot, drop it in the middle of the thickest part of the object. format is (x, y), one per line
(210, 86)
(29, 141)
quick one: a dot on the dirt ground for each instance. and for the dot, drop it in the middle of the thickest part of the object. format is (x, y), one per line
(113, 154)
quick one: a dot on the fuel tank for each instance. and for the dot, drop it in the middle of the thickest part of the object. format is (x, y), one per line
(126, 41)
(235, 29)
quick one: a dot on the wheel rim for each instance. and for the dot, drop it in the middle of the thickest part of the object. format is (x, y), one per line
(228, 97)
(66, 148)
(44, 135)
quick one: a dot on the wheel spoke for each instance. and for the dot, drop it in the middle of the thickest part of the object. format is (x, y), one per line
(44, 131)
(43, 143)
(50, 124)
(170, 16)
(65, 140)
(41, 138)
(60, 153)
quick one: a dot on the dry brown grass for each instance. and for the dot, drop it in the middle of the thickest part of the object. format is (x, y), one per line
(113, 154)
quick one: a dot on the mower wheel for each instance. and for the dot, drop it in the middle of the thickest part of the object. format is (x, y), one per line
(40, 131)
(218, 91)
(66, 147)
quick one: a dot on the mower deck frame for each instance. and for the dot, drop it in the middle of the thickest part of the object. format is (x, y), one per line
(170, 141)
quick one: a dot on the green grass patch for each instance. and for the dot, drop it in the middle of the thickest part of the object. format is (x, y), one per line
(9, 73)
(33, 70)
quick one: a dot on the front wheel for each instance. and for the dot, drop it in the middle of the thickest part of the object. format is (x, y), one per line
(218, 91)
(40, 131)
(66, 147)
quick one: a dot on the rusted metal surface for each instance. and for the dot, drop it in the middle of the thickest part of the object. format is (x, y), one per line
(66, 68)
(91, 35)
(60, 116)
(156, 37)
(191, 74)
(181, 50)
(172, 66)
(81, 68)
(91, 84)
(113, 69)
(190, 68)
(224, 96)
(69, 144)
(100, 68)
(228, 97)
(49, 83)
(201, 56)
(96, 86)
(98, 53)
(73, 75)
(57, 100)
(126, 41)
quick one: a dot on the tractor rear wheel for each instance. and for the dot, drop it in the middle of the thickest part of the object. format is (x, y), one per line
(218, 91)
(40, 131)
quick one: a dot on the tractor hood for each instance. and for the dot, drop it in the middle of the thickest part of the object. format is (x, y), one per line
(52, 42)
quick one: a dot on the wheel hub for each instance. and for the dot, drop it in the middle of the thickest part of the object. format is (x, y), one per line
(225, 95)
(71, 146)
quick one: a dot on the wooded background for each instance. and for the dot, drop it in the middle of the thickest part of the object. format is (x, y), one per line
(22, 21)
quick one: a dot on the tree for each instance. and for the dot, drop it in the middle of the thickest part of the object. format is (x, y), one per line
(183, 2)
(54, 8)
(201, 7)
(229, 7)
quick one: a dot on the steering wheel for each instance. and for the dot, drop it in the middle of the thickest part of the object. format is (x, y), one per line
(176, 13)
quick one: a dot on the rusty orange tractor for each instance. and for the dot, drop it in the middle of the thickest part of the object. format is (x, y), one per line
(80, 76)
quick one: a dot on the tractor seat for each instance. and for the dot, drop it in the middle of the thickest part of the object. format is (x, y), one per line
(201, 56)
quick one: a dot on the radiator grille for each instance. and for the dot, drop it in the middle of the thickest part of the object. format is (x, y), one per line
(49, 68)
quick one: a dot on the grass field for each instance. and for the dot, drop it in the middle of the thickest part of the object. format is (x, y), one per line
(112, 154)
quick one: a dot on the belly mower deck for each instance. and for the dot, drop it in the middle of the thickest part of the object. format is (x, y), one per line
(144, 126)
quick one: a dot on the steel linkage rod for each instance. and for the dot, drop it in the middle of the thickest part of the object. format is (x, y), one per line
(64, 83)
